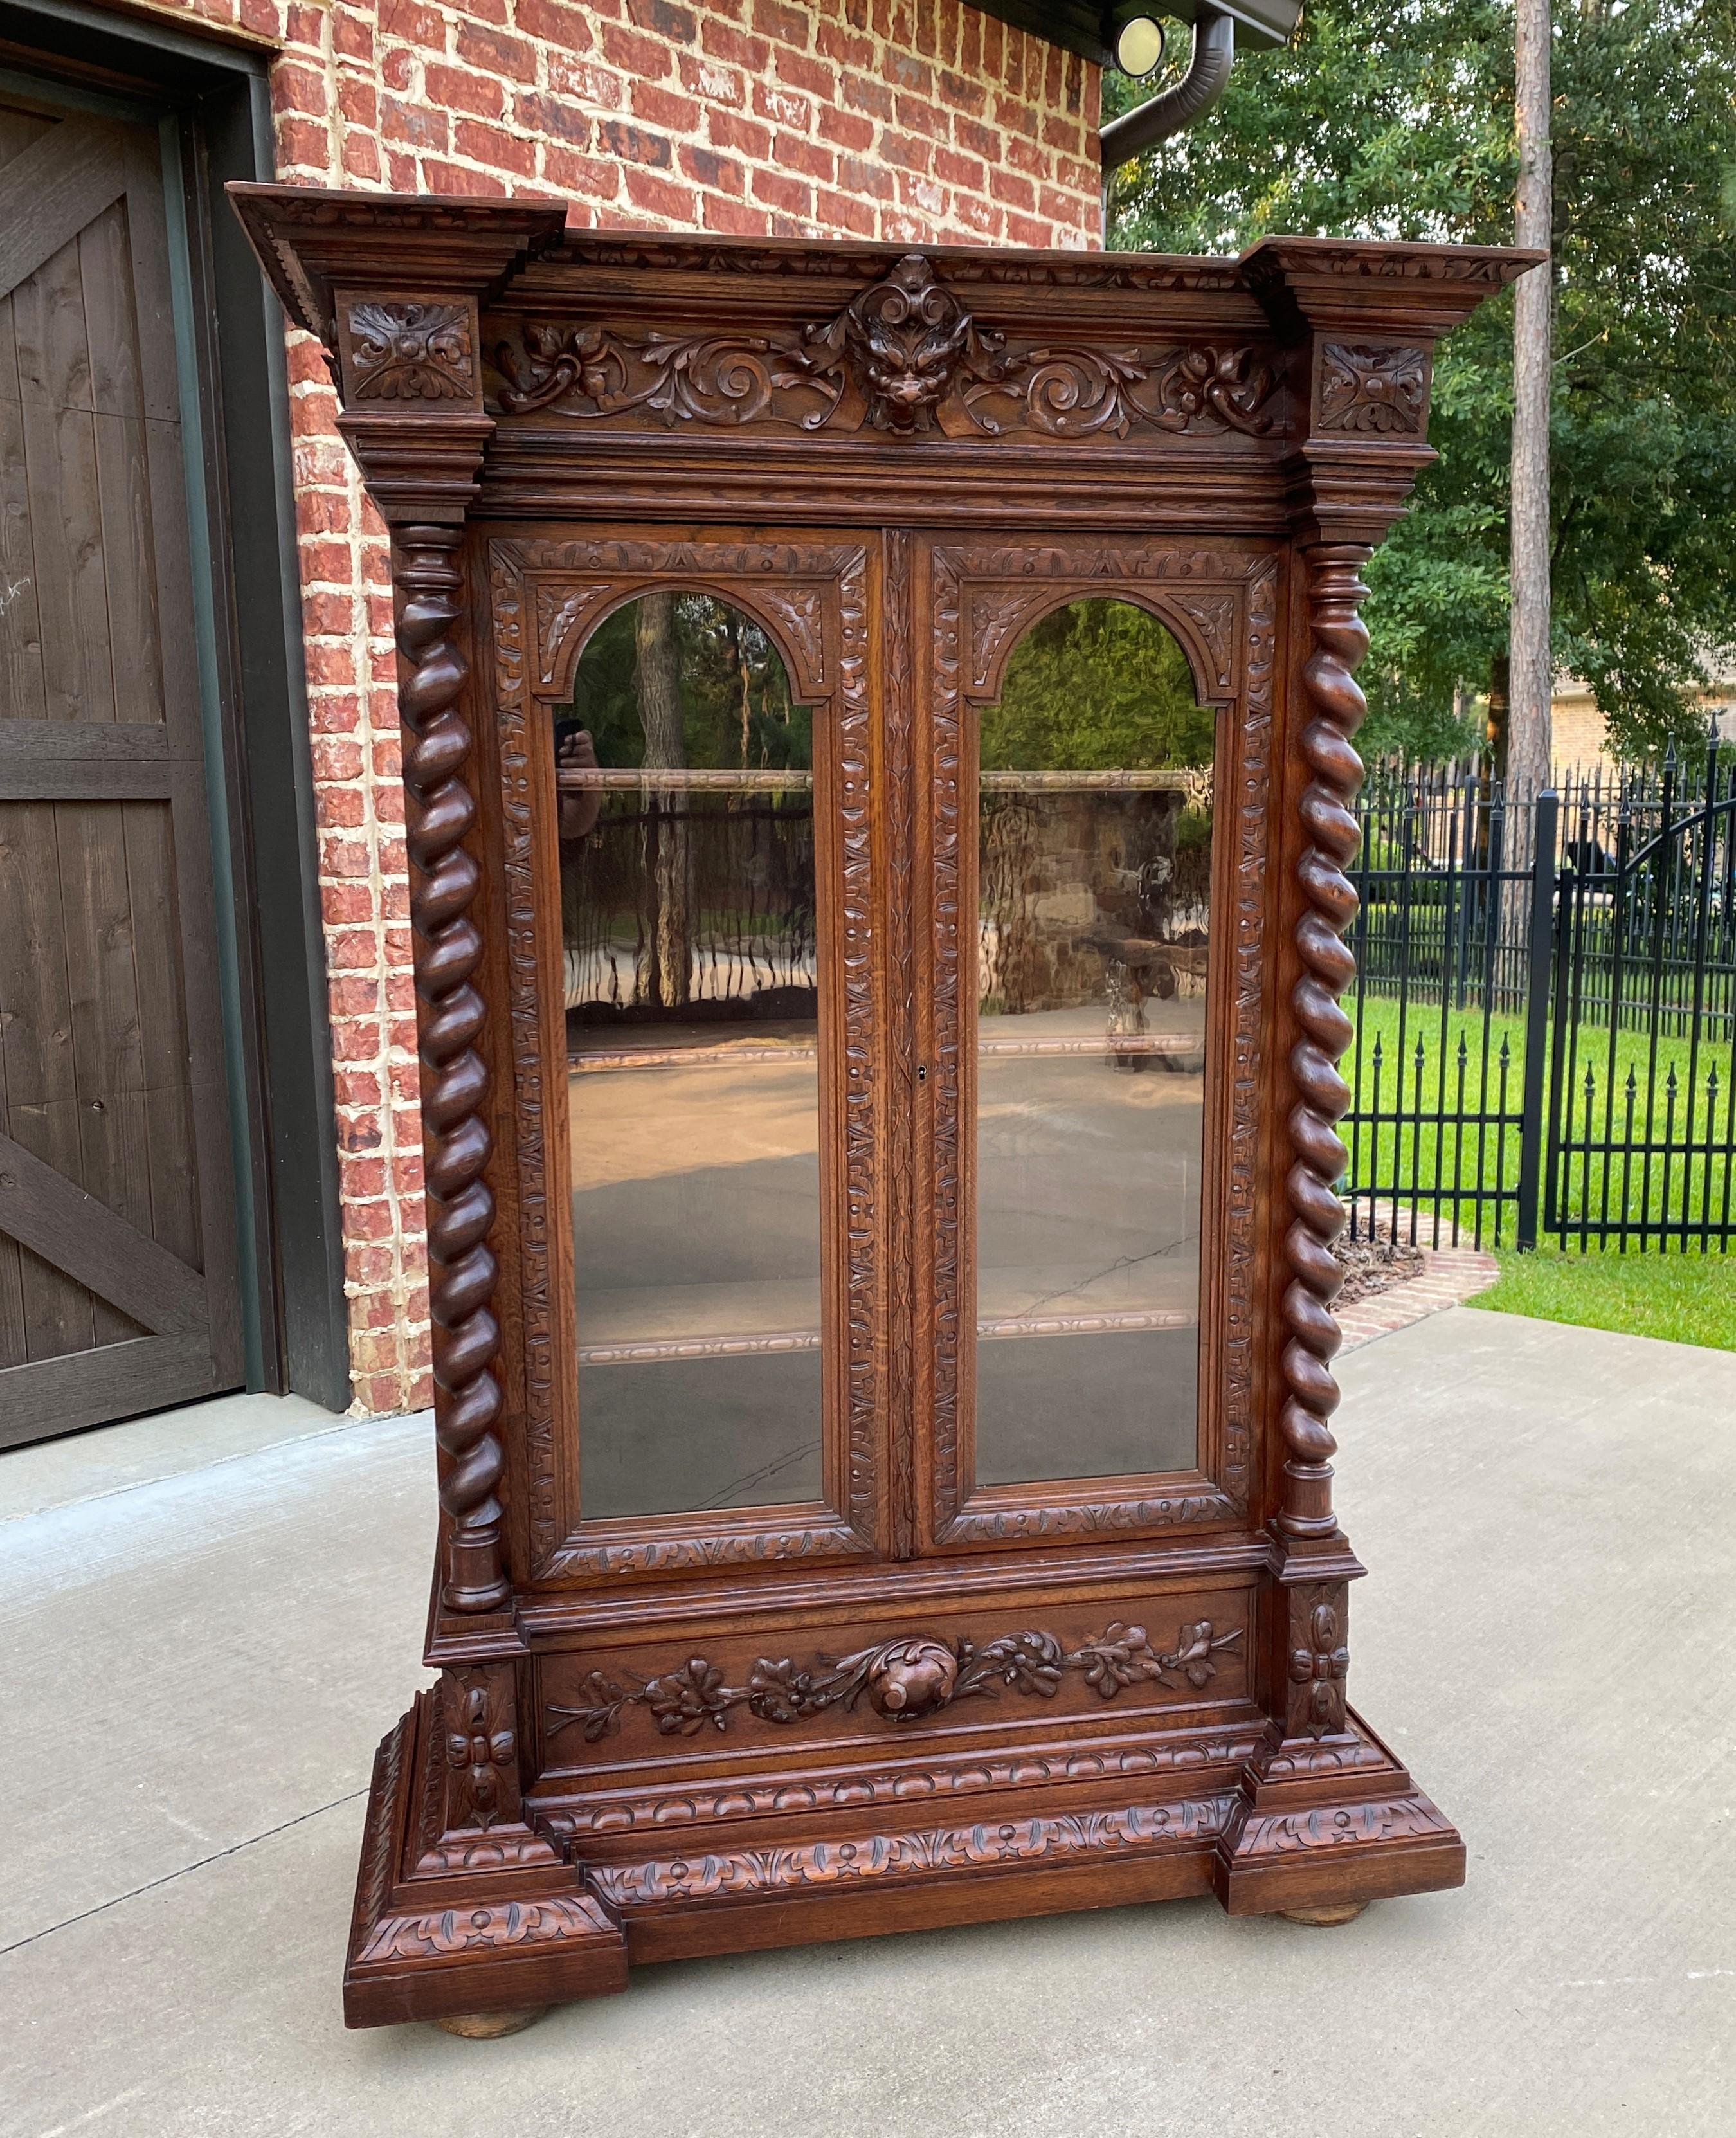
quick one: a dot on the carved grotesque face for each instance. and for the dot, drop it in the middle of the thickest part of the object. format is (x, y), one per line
(911, 334)
(910, 379)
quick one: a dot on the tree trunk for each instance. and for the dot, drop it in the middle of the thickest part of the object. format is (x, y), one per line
(658, 681)
(1532, 678)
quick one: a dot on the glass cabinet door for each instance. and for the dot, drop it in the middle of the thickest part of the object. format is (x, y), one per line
(692, 969)
(1094, 850)
(1085, 1269)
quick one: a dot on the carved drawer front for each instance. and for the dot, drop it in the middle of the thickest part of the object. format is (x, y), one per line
(1156, 1658)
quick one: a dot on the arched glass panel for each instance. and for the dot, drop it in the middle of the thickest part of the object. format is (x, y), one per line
(684, 773)
(1093, 913)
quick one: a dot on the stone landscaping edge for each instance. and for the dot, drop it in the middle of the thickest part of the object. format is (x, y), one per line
(1449, 1275)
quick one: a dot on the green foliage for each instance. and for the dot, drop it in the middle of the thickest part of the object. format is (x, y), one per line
(1097, 686)
(1684, 1299)
(1388, 118)
(735, 696)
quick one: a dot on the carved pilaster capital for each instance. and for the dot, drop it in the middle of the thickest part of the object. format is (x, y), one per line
(403, 339)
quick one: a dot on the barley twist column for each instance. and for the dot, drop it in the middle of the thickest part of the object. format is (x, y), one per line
(456, 1140)
(1336, 707)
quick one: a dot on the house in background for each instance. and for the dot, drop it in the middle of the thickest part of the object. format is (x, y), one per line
(1579, 735)
(210, 1146)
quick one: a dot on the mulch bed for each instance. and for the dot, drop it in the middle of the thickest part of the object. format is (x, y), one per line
(1372, 1266)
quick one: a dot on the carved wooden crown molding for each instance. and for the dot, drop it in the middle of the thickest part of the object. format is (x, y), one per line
(312, 240)
(1000, 268)
(904, 356)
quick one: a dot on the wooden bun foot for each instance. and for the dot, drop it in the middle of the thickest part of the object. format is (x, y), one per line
(491, 2026)
(1325, 1919)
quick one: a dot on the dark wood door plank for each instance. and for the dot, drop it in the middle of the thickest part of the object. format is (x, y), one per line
(121, 1380)
(22, 689)
(61, 183)
(76, 747)
(58, 1221)
(65, 504)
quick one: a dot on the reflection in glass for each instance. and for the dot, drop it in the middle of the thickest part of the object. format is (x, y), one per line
(1094, 895)
(685, 784)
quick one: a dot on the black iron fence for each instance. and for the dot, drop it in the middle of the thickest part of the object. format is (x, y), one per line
(1545, 1008)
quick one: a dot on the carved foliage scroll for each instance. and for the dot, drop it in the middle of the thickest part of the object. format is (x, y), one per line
(906, 1680)
(904, 356)
(545, 596)
(1224, 605)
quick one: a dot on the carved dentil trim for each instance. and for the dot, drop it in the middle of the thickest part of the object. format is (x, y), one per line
(906, 1680)
(896, 1784)
(732, 1872)
(1372, 388)
(552, 591)
(1336, 707)
(457, 1142)
(410, 352)
(903, 356)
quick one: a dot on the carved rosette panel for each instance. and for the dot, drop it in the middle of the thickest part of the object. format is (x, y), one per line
(1373, 388)
(1146, 1828)
(1222, 606)
(905, 356)
(1319, 1659)
(409, 352)
(903, 1680)
(480, 1746)
(456, 1141)
(546, 597)
(1336, 707)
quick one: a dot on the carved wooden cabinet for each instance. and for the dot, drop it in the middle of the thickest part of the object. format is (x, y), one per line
(878, 1071)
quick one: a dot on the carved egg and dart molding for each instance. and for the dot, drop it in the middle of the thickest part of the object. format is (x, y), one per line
(905, 357)
(905, 1680)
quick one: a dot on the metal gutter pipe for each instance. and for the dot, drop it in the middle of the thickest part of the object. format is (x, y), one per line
(1208, 68)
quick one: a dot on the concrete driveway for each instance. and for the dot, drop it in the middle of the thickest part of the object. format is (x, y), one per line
(1545, 1636)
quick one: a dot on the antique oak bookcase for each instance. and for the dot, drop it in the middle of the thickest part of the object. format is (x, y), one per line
(880, 1134)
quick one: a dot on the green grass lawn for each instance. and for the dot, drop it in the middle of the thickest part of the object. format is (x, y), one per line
(1685, 1299)
(1387, 1073)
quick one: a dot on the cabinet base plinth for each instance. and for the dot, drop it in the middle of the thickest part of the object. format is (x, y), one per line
(482, 1929)
(1332, 1823)
(490, 1928)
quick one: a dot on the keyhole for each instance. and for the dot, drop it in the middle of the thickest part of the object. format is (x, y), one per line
(922, 1073)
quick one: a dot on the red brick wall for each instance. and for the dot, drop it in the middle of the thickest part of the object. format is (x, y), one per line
(903, 120)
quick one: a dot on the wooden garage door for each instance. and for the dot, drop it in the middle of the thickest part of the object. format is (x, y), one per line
(118, 1288)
